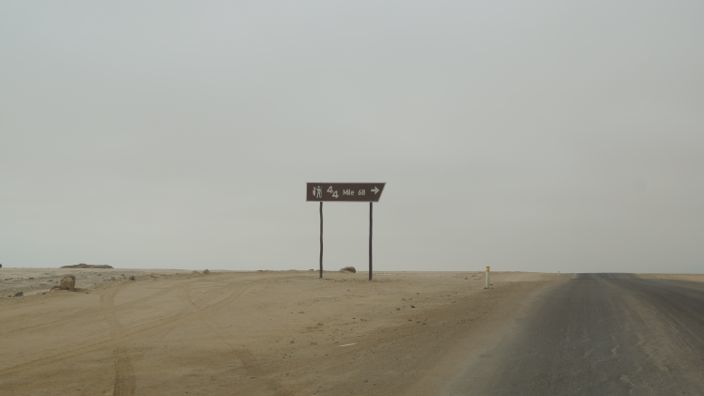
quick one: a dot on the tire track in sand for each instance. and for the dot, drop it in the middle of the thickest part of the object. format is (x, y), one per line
(97, 310)
(152, 327)
(142, 329)
(125, 382)
(244, 355)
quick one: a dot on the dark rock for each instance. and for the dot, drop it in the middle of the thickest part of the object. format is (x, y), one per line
(83, 265)
(19, 294)
(348, 269)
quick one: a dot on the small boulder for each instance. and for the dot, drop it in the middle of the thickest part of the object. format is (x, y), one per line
(206, 272)
(68, 282)
(349, 269)
(19, 294)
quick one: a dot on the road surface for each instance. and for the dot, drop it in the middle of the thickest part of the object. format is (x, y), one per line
(601, 334)
(289, 333)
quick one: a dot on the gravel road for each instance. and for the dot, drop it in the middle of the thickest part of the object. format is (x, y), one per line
(601, 334)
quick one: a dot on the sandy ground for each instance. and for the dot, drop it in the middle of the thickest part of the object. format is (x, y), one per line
(256, 333)
(677, 277)
(32, 281)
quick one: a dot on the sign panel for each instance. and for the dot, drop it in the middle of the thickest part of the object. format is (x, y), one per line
(344, 192)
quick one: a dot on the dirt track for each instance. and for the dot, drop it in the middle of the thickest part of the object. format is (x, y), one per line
(259, 333)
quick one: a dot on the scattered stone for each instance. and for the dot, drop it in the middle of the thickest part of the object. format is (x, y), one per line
(413, 306)
(68, 282)
(349, 269)
(84, 265)
(132, 278)
(19, 294)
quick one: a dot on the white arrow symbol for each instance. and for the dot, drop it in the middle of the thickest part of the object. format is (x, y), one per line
(375, 190)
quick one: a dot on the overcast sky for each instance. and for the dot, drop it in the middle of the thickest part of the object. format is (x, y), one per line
(540, 136)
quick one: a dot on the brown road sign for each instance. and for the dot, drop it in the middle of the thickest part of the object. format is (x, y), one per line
(344, 192)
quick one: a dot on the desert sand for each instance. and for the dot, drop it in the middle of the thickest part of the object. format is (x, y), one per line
(251, 333)
(677, 277)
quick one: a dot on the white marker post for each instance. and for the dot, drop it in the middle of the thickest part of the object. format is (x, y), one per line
(486, 277)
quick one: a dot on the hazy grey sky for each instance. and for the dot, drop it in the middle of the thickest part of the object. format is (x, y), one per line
(543, 135)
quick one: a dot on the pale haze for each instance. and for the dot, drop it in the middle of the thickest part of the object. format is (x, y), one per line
(534, 136)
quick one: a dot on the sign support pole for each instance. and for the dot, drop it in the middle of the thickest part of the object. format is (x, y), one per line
(346, 192)
(371, 205)
(321, 239)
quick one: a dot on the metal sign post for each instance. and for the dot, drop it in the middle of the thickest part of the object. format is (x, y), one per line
(345, 192)
(321, 239)
(371, 205)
